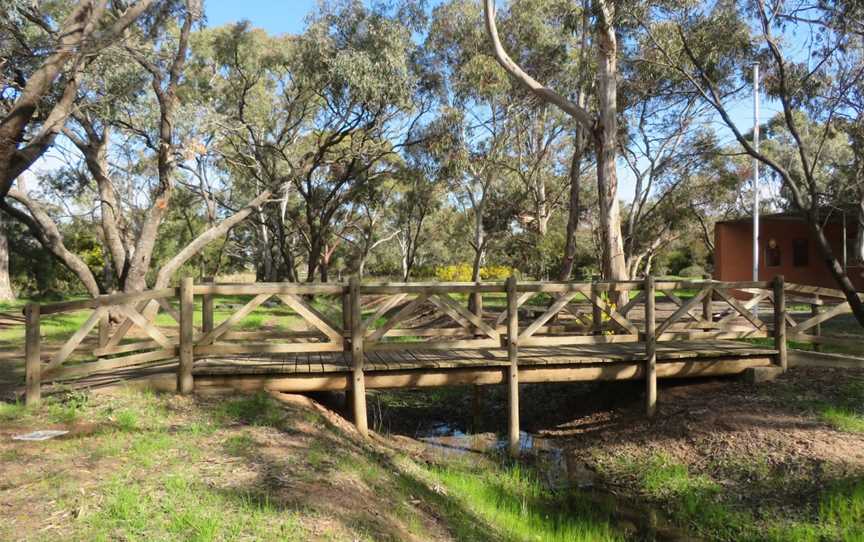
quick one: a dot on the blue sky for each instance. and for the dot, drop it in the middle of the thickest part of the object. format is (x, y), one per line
(278, 17)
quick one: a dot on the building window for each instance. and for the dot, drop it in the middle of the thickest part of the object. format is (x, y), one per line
(772, 254)
(800, 253)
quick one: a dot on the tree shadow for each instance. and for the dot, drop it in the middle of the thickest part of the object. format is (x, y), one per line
(331, 473)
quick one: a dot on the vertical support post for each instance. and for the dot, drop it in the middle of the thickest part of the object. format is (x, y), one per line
(346, 346)
(475, 305)
(780, 321)
(32, 355)
(358, 379)
(513, 367)
(707, 312)
(207, 309)
(185, 383)
(104, 327)
(815, 309)
(596, 313)
(650, 348)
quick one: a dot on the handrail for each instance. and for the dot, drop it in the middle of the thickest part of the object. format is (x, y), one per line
(106, 300)
(369, 288)
(578, 312)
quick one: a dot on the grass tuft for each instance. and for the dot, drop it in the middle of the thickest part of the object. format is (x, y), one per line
(259, 409)
(12, 411)
(518, 506)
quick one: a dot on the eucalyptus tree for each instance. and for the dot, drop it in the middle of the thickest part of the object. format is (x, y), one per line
(710, 46)
(601, 123)
(321, 116)
(128, 136)
(506, 147)
(45, 49)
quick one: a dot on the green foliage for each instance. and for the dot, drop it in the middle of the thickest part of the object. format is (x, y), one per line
(464, 273)
(694, 271)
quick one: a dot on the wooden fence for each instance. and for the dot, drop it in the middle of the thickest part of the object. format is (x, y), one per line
(359, 320)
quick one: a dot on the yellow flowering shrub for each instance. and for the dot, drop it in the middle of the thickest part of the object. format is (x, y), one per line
(462, 272)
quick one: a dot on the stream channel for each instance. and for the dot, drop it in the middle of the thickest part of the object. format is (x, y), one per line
(569, 479)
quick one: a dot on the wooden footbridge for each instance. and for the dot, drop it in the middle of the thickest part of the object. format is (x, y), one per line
(356, 336)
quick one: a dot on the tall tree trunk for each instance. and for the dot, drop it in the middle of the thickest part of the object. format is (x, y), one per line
(6, 293)
(606, 144)
(859, 240)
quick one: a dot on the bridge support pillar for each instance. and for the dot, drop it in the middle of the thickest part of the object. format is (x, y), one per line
(513, 368)
(358, 379)
(650, 349)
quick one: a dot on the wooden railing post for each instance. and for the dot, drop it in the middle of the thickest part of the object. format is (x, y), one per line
(815, 309)
(185, 383)
(596, 313)
(513, 367)
(207, 309)
(650, 348)
(780, 321)
(347, 330)
(358, 379)
(104, 327)
(475, 305)
(707, 309)
(32, 355)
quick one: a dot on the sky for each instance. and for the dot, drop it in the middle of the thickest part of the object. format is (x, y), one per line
(288, 16)
(275, 16)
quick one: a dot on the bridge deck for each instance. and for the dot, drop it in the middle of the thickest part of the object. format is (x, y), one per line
(310, 363)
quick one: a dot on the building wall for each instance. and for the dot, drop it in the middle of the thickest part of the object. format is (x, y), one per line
(733, 253)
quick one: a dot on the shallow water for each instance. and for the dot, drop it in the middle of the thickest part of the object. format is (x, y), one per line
(562, 472)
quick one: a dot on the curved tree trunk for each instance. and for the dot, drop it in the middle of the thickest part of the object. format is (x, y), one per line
(573, 208)
(6, 293)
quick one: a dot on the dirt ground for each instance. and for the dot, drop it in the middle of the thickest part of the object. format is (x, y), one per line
(769, 446)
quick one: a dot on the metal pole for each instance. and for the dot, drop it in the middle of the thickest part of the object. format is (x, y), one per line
(843, 236)
(756, 173)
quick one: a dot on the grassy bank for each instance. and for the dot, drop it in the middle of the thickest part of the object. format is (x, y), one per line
(789, 470)
(142, 466)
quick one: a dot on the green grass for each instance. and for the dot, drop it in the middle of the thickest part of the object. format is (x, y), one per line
(519, 507)
(701, 504)
(181, 508)
(843, 419)
(11, 411)
(258, 409)
(846, 411)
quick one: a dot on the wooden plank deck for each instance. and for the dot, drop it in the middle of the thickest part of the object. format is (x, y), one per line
(419, 359)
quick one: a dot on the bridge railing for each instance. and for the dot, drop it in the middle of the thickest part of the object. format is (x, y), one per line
(177, 325)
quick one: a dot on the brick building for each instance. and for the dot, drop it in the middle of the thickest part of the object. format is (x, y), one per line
(786, 248)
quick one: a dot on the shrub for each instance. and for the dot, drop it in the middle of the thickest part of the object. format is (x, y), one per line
(696, 271)
(462, 272)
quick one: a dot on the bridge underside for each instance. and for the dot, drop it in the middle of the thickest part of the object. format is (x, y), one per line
(328, 371)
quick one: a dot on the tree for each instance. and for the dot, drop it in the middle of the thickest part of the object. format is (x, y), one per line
(39, 90)
(704, 46)
(129, 232)
(603, 126)
(346, 95)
